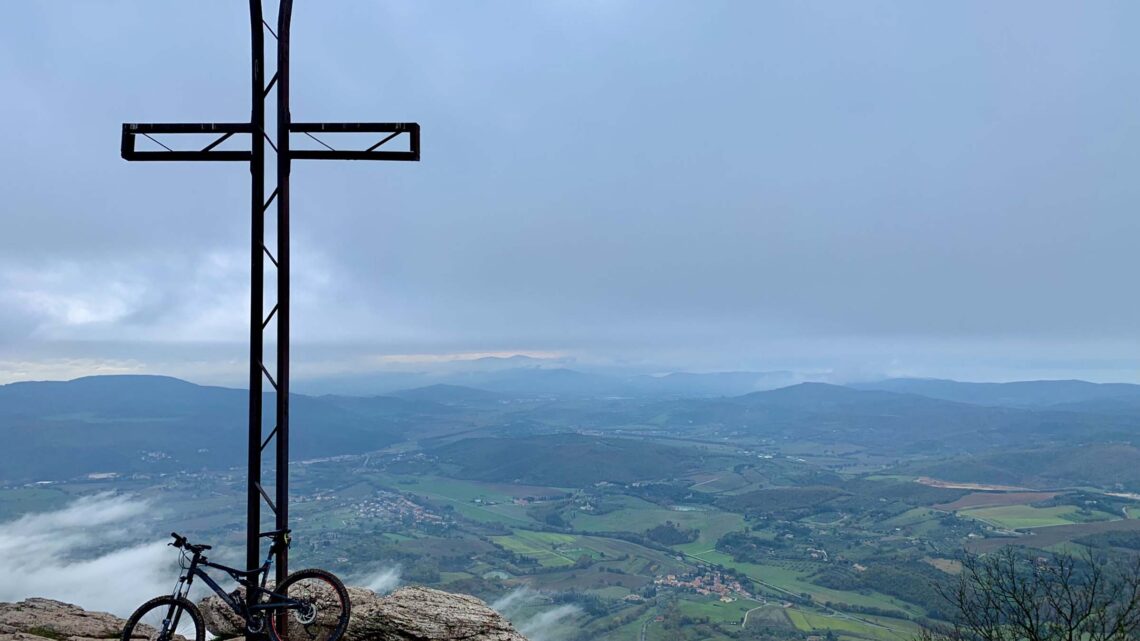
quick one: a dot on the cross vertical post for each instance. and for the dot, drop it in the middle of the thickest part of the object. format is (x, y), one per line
(219, 148)
(257, 208)
(284, 22)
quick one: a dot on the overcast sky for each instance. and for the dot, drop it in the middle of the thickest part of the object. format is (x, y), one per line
(871, 188)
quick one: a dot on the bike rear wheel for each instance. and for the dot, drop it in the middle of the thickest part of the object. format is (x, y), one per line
(165, 618)
(323, 612)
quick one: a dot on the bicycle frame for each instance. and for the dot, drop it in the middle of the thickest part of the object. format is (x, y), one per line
(249, 579)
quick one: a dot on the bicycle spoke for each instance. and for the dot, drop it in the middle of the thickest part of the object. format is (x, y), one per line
(318, 616)
(152, 623)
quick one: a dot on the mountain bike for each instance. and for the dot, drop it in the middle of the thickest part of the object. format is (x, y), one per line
(309, 605)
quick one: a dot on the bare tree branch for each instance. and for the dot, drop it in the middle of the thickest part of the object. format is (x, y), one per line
(1012, 595)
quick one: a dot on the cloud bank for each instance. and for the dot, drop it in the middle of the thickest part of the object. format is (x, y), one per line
(542, 626)
(88, 554)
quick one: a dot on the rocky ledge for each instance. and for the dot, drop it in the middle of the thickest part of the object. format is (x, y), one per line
(408, 614)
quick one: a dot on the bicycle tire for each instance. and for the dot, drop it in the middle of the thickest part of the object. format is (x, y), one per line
(154, 608)
(328, 619)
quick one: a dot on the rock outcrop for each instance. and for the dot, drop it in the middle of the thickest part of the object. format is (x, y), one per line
(421, 613)
(44, 619)
(408, 614)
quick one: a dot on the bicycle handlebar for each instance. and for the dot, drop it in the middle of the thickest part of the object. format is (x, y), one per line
(181, 542)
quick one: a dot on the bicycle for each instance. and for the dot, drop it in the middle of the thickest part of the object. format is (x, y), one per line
(309, 605)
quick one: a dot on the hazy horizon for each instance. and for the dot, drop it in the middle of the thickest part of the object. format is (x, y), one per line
(425, 370)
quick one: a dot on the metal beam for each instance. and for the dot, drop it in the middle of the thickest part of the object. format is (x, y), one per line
(401, 130)
(284, 21)
(254, 491)
(354, 127)
(131, 132)
(316, 154)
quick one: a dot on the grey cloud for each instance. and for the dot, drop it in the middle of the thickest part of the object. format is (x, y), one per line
(695, 185)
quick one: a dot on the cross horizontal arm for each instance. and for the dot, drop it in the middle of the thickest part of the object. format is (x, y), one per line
(223, 129)
(187, 127)
(351, 127)
(373, 152)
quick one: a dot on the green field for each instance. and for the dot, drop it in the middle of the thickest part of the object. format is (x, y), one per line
(911, 517)
(448, 577)
(713, 526)
(495, 501)
(632, 630)
(1017, 517)
(716, 610)
(860, 627)
(636, 515)
(550, 549)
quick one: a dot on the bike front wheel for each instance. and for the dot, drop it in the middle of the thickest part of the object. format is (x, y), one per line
(320, 611)
(165, 618)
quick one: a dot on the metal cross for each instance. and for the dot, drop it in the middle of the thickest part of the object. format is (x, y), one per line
(259, 251)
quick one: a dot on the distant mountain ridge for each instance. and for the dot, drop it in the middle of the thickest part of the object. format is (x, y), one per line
(715, 383)
(892, 422)
(127, 424)
(1028, 394)
(528, 378)
(884, 420)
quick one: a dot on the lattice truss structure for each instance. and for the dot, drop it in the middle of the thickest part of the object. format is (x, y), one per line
(252, 142)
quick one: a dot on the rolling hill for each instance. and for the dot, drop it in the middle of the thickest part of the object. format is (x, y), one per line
(55, 430)
(890, 422)
(1107, 465)
(160, 424)
(1024, 394)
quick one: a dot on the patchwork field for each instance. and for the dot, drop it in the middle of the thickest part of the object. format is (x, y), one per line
(716, 610)
(487, 502)
(853, 627)
(1046, 537)
(982, 487)
(995, 499)
(551, 549)
(1020, 517)
(635, 515)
